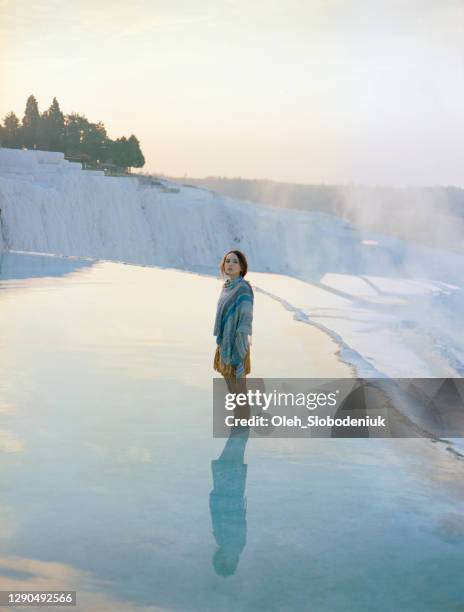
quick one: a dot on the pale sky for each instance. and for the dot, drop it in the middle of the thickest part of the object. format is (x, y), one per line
(315, 91)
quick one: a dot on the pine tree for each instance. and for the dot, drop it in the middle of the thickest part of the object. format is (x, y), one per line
(11, 136)
(43, 136)
(53, 128)
(30, 124)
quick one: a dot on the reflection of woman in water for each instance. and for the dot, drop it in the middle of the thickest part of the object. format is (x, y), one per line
(234, 316)
(227, 503)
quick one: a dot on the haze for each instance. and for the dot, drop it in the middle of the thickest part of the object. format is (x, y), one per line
(321, 91)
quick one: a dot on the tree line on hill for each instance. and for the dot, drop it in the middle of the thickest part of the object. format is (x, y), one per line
(73, 134)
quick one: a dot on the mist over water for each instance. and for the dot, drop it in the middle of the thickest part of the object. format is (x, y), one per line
(432, 216)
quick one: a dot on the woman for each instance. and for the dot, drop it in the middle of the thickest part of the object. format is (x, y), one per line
(234, 317)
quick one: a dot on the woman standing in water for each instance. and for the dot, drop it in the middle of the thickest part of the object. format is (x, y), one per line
(234, 317)
(232, 329)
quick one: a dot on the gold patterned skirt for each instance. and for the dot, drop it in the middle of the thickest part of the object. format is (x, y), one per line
(228, 371)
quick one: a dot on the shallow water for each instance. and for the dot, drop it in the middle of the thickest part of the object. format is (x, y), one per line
(113, 486)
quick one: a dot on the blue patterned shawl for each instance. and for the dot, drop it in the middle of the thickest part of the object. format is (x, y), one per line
(233, 324)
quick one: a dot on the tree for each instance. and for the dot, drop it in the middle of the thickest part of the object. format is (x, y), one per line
(120, 152)
(76, 127)
(95, 142)
(52, 129)
(56, 122)
(126, 153)
(85, 139)
(30, 124)
(11, 133)
(43, 134)
(137, 158)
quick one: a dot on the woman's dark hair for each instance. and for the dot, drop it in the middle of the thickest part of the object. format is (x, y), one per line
(241, 259)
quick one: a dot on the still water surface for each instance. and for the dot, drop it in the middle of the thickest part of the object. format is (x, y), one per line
(113, 486)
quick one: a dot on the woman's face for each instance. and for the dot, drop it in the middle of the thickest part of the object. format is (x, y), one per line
(232, 265)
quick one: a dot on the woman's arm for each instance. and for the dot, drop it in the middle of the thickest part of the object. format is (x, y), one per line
(243, 333)
(241, 345)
